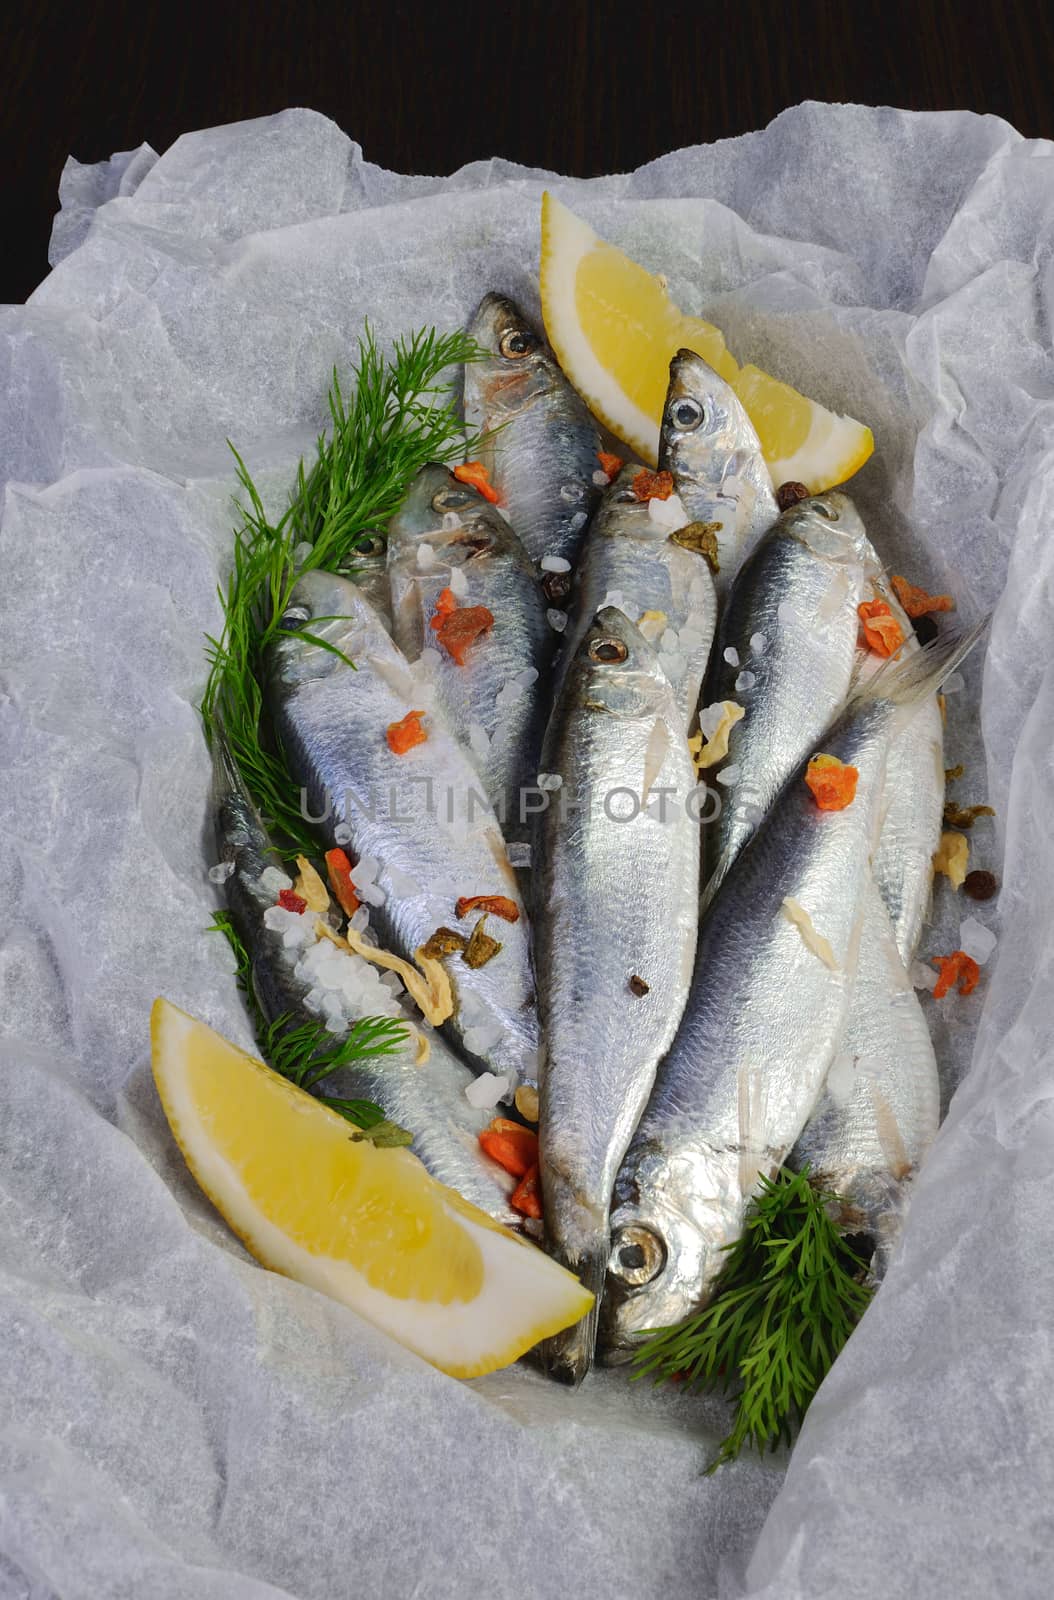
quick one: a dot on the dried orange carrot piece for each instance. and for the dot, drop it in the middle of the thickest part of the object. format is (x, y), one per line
(461, 628)
(446, 604)
(404, 734)
(882, 631)
(498, 904)
(475, 473)
(832, 783)
(916, 602)
(338, 871)
(652, 485)
(611, 464)
(958, 970)
(515, 1149)
(525, 1197)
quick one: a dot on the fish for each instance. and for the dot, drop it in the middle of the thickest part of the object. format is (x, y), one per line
(618, 860)
(421, 816)
(785, 651)
(711, 447)
(880, 1109)
(768, 1005)
(445, 534)
(542, 442)
(367, 567)
(428, 1100)
(914, 807)
(632, 562)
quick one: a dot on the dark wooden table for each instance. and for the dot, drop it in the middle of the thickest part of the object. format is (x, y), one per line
(581, 88)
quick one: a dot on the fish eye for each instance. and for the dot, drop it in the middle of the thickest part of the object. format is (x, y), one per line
(686, 414)
(515, 343)
(451, 499)
(608, 652)
(825, 509)
(637, 1256)
(293, 618)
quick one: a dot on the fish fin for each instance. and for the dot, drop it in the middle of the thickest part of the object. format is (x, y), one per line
(568, 1356)
(907, 681)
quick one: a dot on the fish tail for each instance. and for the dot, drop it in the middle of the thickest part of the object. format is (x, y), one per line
(908, 680)
(568, 1356)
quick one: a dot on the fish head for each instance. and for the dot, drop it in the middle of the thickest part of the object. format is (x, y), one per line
(616, 671)
(326, 618)
(668, 1233)
(830, 525)
(451, 516)
(622, 514)
(516, 367)
(706, 436)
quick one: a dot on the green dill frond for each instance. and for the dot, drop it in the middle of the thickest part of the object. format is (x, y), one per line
(784, 1304)
(397, 414)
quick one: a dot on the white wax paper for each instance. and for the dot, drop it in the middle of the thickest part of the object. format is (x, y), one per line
(174, 1421)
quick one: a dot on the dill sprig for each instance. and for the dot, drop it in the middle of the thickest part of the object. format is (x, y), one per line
(307, 1053)
(784, 1304)
(397, 414)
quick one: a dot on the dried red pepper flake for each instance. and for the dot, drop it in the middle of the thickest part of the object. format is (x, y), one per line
(652, 485)
(831, 782)
(499, 904)
(446, 604)
(404, 734)
(611, 464)
(916, 602)
(882, 631)
(289, 900)
(476, 474)
(958, 970)
(338, 871)
(461, 628)
(525, 1198)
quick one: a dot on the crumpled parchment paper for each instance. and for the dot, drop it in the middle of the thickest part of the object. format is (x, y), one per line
(177, 1423)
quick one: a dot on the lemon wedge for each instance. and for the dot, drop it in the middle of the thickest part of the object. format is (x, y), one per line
(367, 1226)
(614, 329)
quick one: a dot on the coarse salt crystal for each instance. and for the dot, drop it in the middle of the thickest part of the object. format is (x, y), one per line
(221, 871)
(710, 719)
(746, 680)
(486, 1090)
(976, 940)
(758, 644)
(426, 556)
(731, 655)
(554, 564)
(364, 871)
(728, 775)
(458, 581)
(556, 619)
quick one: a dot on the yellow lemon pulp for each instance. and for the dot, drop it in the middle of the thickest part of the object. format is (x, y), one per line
(614, 329)
(367, 1226)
